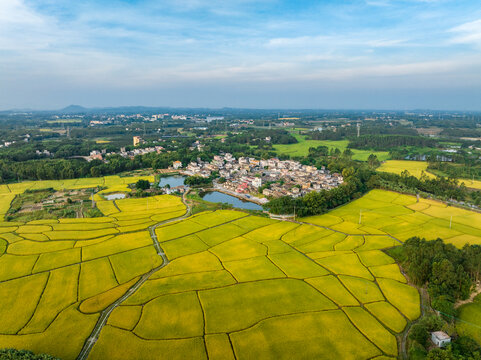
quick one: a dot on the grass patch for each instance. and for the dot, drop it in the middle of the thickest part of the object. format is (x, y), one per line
(470, 319)
(301, 148)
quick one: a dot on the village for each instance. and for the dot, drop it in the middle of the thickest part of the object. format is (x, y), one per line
(274, 177)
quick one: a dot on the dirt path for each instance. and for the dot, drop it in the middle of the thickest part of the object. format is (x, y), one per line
(404, 338)
(475, 293)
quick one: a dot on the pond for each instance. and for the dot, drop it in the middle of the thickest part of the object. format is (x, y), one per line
(218, 197)
(115, 196)
(173, 181)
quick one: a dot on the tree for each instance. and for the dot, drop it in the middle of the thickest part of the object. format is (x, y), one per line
(13, 354)
(445, 306)
(373, 161)
(95, 171)
(465, 346)
(196, 180)
(142, 184)
(347, 153)
(440, 354)
(419, 333)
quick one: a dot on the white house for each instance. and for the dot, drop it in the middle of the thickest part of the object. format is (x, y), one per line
(256, 182)
(440, 338)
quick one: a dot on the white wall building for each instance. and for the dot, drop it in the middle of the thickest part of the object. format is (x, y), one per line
(440, 338)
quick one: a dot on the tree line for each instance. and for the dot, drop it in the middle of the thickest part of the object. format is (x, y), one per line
(449, 274)
(385, 142)
(258, 136)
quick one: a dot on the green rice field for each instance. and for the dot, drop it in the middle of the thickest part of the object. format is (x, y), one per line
(470, 319)
(302, 148)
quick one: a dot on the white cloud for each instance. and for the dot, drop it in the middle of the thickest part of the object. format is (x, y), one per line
(142, 46)
(467, 33)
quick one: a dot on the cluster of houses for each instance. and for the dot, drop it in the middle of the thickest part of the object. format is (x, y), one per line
(100, 155)
(277, 177)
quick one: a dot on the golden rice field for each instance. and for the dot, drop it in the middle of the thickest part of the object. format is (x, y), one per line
(113, 183)
(415, 168)
(236, 286)
(239, 286)
(57, 275)
(400, 216)
(82, 183)
(473, 184)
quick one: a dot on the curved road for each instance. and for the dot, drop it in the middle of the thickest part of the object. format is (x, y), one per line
(104, 315)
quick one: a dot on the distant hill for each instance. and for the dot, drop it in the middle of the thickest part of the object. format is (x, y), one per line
(71, 109)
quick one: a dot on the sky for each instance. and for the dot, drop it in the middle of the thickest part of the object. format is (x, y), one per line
(358, 54)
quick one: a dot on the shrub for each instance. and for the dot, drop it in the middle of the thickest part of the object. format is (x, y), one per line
(419, 333)
(142, 184)
(13, 354)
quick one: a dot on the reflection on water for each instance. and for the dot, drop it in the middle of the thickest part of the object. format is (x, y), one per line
(114, 196)
(218, 197)
(173, 181)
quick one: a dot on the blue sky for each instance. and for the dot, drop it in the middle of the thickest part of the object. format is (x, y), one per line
(384, 54)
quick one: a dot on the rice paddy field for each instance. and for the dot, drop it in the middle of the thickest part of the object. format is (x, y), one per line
(112, 183)
(401, 217)
(82, 183)
(473, 184)
(240, 286)
(235, 285)
(56, 276)
(303, 145)
(415, 168)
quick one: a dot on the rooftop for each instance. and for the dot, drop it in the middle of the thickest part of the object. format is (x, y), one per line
(441, 335)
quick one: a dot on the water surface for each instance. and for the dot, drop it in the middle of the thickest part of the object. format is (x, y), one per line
(218, 197)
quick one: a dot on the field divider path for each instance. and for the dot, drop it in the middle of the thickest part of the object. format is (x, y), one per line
(423, 297)
(104, 315)
(116, 206)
